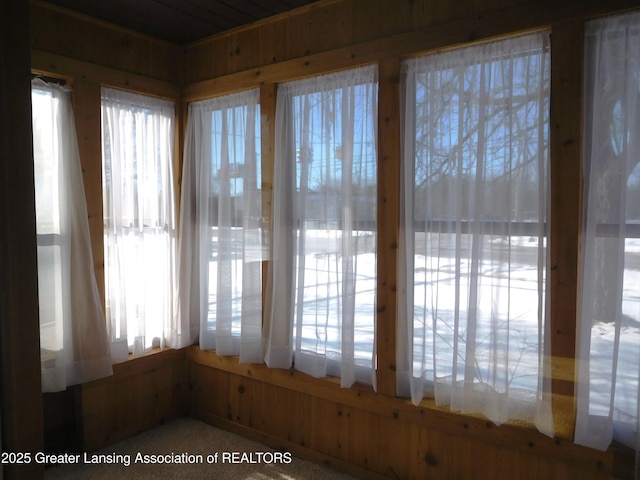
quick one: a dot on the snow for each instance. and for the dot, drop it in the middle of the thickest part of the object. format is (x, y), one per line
(511, 291)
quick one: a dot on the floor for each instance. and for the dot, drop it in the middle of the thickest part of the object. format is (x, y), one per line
(188, 449)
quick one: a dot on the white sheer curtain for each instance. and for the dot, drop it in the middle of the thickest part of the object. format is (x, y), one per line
(73, 336)
(321, 302)
(609, 324)
(220, 230)
(471, 330)
(140, 222)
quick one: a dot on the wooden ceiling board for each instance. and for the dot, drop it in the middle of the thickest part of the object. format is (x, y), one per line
(181, 21)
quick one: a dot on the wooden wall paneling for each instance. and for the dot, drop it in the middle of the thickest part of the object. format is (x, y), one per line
(288, 416)
(21, 422)
(267, 45)
(73, 35)
(275, 413)
(244, 401)
(318, 22)
(204, 387)
(450, 457)
(511, 465)
(142, 393)
(243, 51)
(340, 428)
(330, 430)
(97, 416)
(300, 417)
(234, 57)
(240, 405)
(546, 469)
(371, 20)
(483, 458)
(433, 455)
(356, 451)
(63, 420)
(256, 407)
(273, 43)
(417, 447)
(194, 55)
(324, 434)
(295, 416)
(217, 403)
(264, 411)
(260, 408)
(360, 415)
(296, 30)
(282, 444)
(382, 444)
(420, 14)
(377, 443)
(392, 446)
(280, 405)
(388, 218)
(233, 396)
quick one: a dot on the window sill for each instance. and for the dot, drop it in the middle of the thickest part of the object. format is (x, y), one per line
(150, 360)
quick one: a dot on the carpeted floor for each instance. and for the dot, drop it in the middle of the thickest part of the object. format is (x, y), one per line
(189, 449)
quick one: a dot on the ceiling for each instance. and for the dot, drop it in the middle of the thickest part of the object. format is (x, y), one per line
(181, 21)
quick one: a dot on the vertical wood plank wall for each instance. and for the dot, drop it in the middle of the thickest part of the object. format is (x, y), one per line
(366, 433)
(19, 328)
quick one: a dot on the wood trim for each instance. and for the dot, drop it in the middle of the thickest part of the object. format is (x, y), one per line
(267, 138)
(565, 183)
(20, 384)
(135, 366)
(69, 67)
(388, 219)
(86, 110)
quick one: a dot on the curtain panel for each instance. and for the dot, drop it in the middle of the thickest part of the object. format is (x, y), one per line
(74, 344)
(221, 249)
(609, 321)
(320, 310)
(140, 222)
(473, 238)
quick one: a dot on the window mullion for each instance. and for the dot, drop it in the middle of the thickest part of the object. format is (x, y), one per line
(565, 212)
(388, 218)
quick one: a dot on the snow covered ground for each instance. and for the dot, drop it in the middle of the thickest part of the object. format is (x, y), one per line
(513, 293)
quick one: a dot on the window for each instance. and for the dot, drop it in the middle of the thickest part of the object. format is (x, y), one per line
(474, 229)
(323, 271)
(221, 227)
(609, 323)
(73, 337)
(139, 220)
